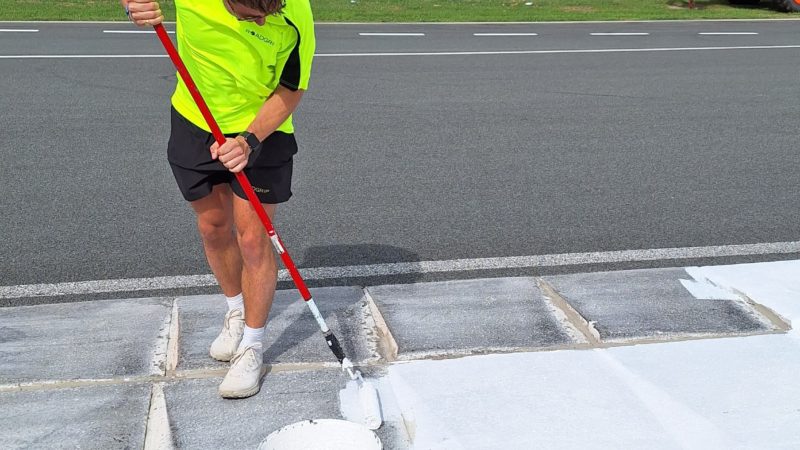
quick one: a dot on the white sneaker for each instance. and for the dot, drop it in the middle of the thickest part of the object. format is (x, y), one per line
(244, 376)
(224, 346)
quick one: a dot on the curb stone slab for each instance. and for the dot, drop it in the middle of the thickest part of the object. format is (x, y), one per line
(87, 340)
(90, 417)
(292, 334)
(200, 419)
(652, 303)
(468, 316)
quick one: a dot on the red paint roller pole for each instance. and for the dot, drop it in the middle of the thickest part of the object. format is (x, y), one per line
(333, 343)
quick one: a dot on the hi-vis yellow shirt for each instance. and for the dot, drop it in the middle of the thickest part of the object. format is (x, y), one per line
(237, 65)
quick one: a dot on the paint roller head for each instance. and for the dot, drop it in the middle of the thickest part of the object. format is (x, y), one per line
(370, 403)
(360, 403)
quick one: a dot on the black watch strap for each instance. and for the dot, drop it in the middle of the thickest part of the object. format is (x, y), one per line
(251, 140)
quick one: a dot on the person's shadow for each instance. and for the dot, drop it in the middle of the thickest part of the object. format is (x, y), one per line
(361, 265)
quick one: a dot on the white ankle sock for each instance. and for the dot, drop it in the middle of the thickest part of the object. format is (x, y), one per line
(235, 302)
(252, 336)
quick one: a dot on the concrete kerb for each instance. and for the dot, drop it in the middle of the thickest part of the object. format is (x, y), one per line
(577, 325)
(158, 432)
(173, 346)
(386, 344)
(382, 345)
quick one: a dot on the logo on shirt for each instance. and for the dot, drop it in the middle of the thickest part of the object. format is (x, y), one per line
(260, 37)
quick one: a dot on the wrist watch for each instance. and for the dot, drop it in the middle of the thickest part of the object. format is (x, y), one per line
(251, 139)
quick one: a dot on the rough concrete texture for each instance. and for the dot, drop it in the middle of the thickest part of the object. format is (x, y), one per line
(292, 334)
(100, 339)
(651, 303)
(97, 417)
(200, 419)
(468, 316)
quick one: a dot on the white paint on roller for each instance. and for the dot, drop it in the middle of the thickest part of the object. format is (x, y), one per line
(368, 397)
(328, 434)
(359, 402)
(732, 393)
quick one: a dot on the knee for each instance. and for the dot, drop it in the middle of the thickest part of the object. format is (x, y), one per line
(215, 232)
(254, 247)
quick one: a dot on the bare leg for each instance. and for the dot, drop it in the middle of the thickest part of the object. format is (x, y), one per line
(259, 266)
(215, 222)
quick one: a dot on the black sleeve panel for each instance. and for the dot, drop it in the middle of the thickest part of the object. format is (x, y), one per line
(290, 77)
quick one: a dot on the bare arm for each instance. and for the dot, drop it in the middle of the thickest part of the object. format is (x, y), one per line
(279, 106)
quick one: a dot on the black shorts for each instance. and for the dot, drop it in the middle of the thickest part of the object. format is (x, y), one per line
(269, 168)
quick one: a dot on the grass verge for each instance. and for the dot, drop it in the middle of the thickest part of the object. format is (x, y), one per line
(432, 10)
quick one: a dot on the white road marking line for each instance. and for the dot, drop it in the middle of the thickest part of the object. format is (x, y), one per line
(619, 34)
(391, 34)
(501, 52)
(17, 30)
(731, 33)
(133, 32)
(556, 52)
(505, 34)
(404, 268)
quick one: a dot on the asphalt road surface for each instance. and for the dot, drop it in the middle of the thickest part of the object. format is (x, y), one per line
(436, 142)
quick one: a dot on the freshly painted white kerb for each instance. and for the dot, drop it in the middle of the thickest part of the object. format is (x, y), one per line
(403, 268)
